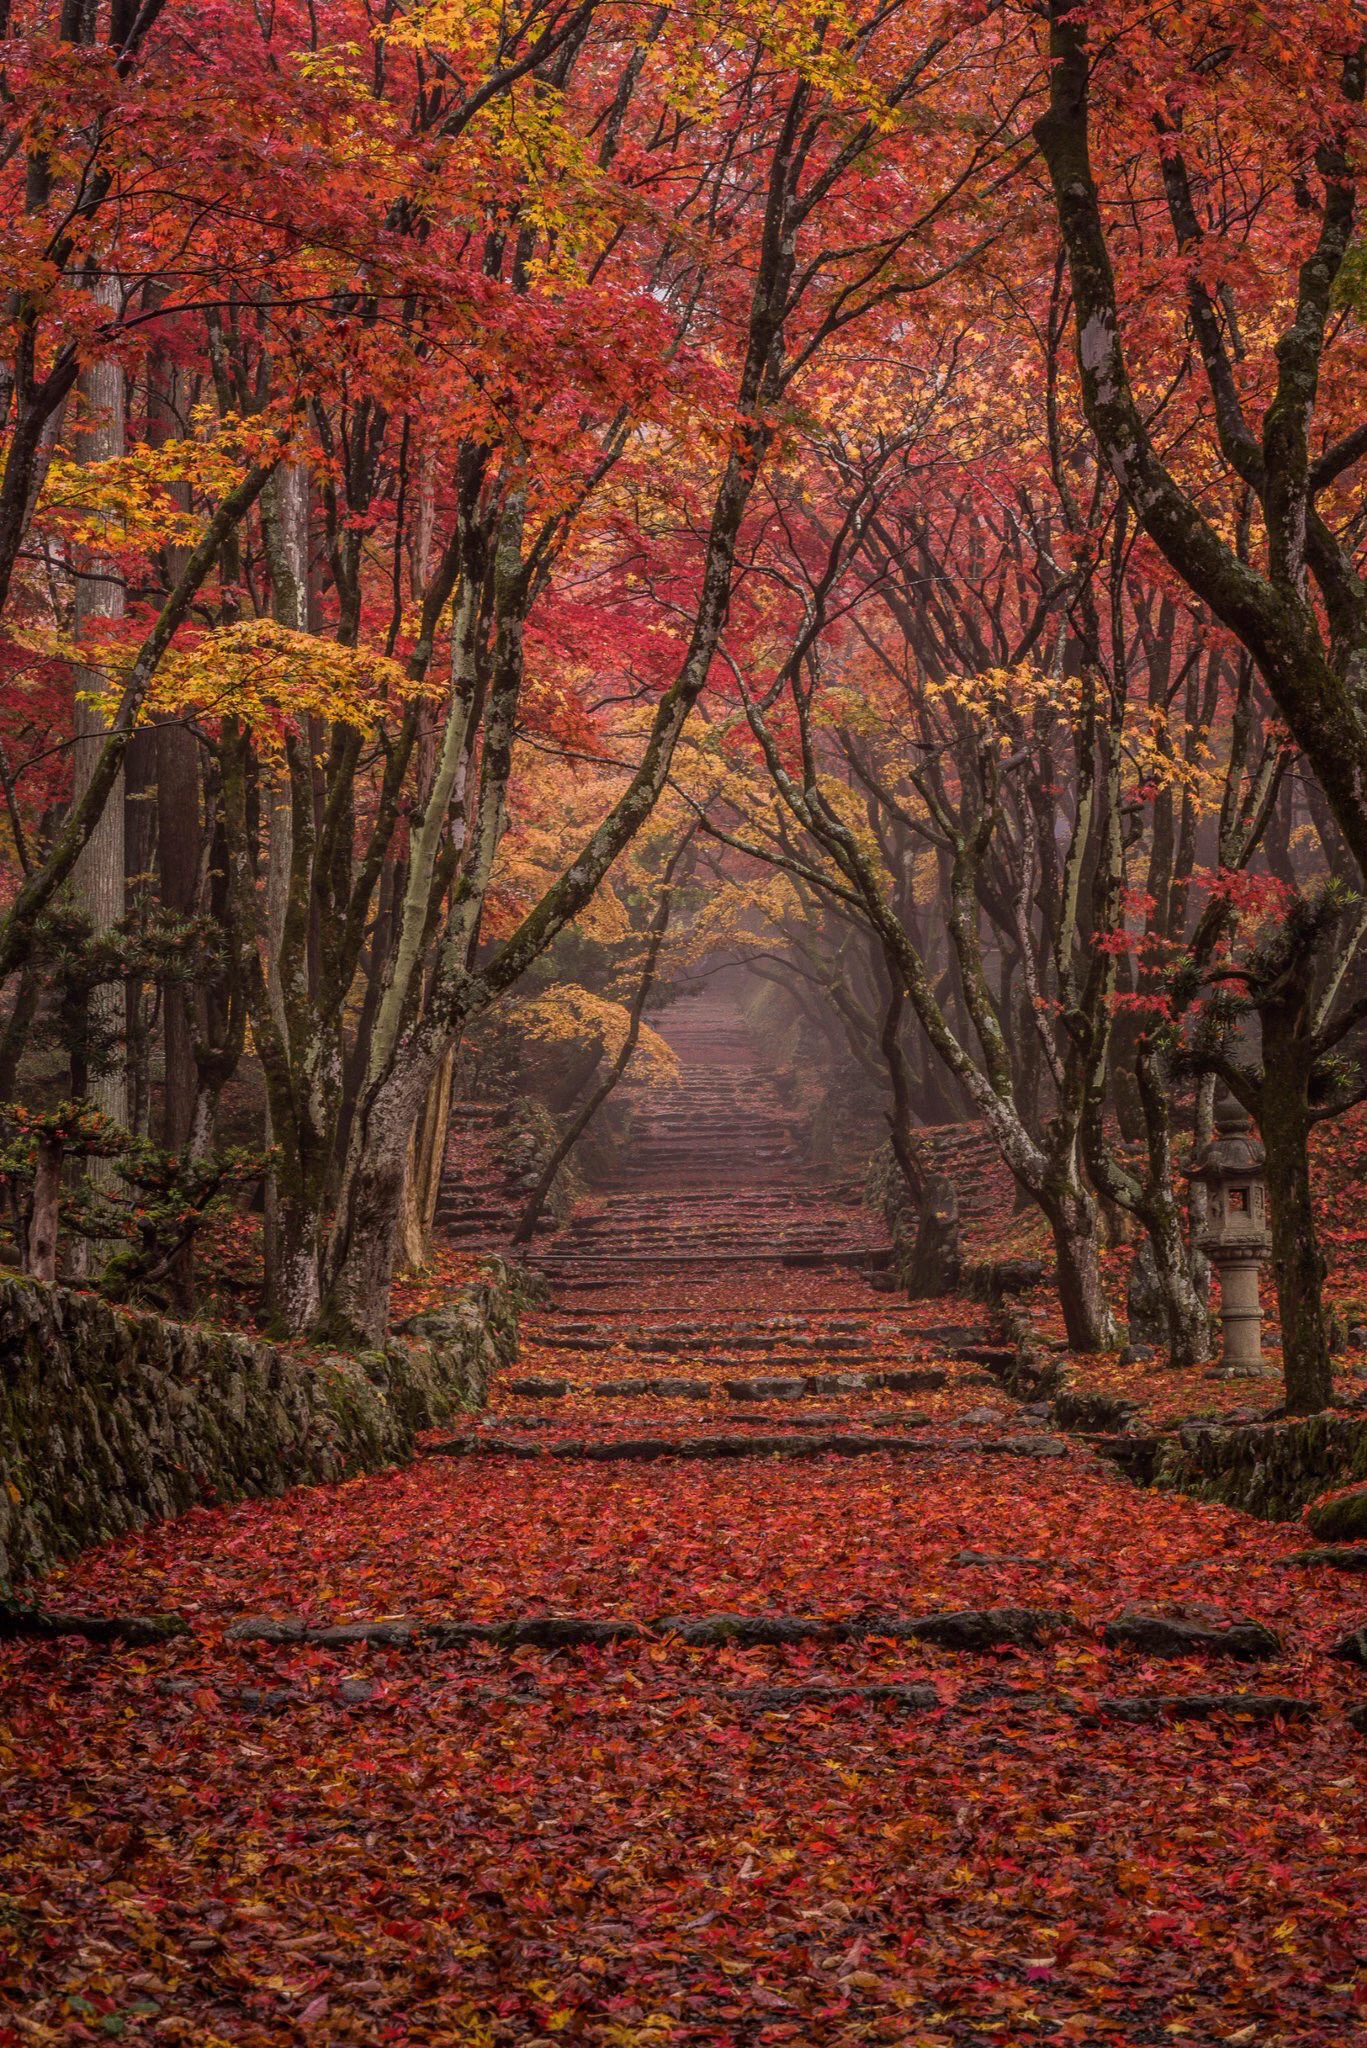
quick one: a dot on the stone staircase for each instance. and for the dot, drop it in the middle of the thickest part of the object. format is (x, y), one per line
(713, 1173)
(477, 1209)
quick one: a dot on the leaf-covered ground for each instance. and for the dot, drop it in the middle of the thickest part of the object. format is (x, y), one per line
(224, 1841)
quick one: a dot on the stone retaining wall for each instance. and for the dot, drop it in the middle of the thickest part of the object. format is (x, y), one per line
(110, 1419)
(1269, 1469)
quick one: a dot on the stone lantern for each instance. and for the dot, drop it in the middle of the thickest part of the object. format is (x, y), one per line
(1235, 1236)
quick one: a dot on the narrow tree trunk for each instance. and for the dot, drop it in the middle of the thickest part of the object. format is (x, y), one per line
(285, 510)
(540, 1194)
(140, 838)
(904, 1146)
(279, 850)
(98, 876)
(934, 1265)
(178, 855)
(1297, 1259)
(177, 778)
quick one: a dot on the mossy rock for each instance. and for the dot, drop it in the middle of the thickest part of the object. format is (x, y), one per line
(1342, 1519)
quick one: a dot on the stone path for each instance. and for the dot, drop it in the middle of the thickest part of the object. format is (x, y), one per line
(717, 1171)
(714, 1176)
(754, 1671)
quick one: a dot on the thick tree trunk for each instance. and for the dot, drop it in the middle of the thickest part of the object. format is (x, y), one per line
(1174, 1280)
(1076, 1225)
(47, 1189)
(935, 1266)
(365, 1246)
(294, 1304)
(300, 1185)
(364, 1243)
(1297, 1259)
(1187, 1313)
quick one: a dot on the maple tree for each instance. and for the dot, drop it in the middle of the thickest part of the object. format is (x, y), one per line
(403, 498)
(1200, 96)
(801, 570)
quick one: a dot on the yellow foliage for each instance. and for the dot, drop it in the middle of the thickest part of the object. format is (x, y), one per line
(561, 190)
(1004, 697)
(127, 502)
(568, 1015)
(271, 677)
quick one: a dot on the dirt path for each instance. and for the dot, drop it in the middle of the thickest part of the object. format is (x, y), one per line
(584, 1729)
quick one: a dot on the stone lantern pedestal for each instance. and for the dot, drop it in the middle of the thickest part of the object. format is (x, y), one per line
(1241, 1315)
(1235, 1238)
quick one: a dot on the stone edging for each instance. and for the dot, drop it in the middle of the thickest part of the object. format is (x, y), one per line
(109, 1419)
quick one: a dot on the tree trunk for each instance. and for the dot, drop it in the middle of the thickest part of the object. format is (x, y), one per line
(140, 837)
(1297, 1259)
(1187, 1314)
(294, 1305)
(178, 852)
(47, 1189)
(935, 1266)
(177, 778)
(279, 850)
(426, 1156)
(1087, 1316)
(285, 511)
(365, 1243)
(98, 876)
(365, 1231)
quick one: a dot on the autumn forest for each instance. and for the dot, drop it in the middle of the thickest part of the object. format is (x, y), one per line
(683, 1023)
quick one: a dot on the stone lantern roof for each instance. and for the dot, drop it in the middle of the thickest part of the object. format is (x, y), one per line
(1234, 1151)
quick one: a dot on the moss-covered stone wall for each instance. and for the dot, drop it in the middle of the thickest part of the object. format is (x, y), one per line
(110, 1419)
(1269, 1469)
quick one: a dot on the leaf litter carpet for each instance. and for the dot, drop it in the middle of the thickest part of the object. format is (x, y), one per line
(960, 1740)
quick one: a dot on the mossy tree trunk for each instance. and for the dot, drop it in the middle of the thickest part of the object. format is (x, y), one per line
(1286, 1120)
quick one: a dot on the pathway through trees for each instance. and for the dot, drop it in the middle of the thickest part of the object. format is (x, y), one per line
(715, 1174)
(754, 1671)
